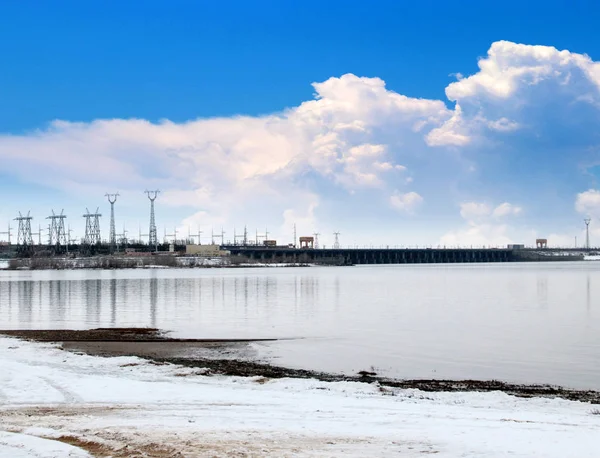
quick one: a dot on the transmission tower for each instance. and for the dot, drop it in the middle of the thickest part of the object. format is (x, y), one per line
(140, 235)
(152, 239)
(24, 238)
(9, 233)
(295, 236)
(57, 235)
(112, 198)
(243, 236)
(316, 236)
(39, 234)
(218, 236)
(70, 238)
(336, 244)
(122, 238)
(92, 228)
(587, 232)
(173, 235)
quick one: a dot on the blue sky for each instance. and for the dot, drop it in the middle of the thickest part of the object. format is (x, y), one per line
(390, 152)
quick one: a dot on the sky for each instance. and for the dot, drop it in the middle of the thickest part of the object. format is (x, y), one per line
(393, 123)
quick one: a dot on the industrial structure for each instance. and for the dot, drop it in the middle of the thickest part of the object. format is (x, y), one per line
(260, 248)
(92, 228)
(24, 238)
(57, 236)
(152, 237)
(587, 232)
(112, 198)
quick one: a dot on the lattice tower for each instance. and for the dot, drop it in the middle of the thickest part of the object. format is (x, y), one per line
(587, 232)
(24, 236)
(316, 236)
(92, 228)
(112, 198)
(57, 235)
(152, 238)
(336, 244)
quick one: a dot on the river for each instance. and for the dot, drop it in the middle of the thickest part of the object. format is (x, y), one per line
(525, 322)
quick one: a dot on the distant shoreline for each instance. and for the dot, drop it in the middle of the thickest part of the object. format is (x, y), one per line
(131, 262)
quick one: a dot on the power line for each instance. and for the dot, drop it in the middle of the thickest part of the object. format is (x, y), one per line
(9, 233)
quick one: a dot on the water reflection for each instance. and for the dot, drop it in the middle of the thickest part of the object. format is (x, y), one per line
(113, 301)
(153, 301)
(588, 294)
(542, 290)
(405, 318)
(25, 291)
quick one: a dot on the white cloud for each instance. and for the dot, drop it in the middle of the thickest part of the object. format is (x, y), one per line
(452, 132)
(479, 210)
(471, 210)
(519, 88)
(482, 227)
(503, 125)
(406, 202)
(509, 66)
(478, 235)
(588, 202)
(356, 143)
(506, 209)
(243, 165)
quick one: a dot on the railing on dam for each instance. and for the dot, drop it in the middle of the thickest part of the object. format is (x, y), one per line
(352, 256)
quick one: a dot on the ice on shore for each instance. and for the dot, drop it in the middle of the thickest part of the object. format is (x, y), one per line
(126, 403)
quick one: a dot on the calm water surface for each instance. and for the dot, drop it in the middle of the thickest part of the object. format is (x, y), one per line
(531, 323)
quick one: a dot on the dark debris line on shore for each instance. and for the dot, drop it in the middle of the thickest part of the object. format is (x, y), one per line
(236, 367)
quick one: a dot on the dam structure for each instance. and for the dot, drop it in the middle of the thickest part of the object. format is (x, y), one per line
(356, 256)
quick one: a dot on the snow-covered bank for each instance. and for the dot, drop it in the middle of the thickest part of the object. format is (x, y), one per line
(123, 405)
(15, 445)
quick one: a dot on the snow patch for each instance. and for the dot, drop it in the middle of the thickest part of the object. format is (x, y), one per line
(46, 392)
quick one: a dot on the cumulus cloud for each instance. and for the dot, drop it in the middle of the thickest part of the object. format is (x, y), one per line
(506, 209)
(483, 227)
(509, 66)
(503, 125)
(478, 235)
(406, 202)
(452, 132)
(588, 202)
(528, 108)
(478, 210)
(224, 166)
(518, 88)
(472, 210)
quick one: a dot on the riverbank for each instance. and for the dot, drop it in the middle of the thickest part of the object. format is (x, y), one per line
(230, 357)
(134, 262)
(52, 399)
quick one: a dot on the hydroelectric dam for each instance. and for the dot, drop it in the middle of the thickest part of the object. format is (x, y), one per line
(356, 256)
